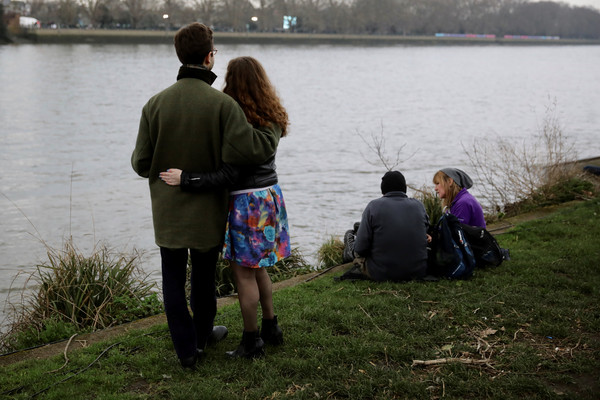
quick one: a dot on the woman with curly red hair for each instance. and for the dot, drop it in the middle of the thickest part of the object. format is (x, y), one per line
(257, 229)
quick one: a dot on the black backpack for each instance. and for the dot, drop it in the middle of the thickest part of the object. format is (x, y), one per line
(450, 254)
(486, 249)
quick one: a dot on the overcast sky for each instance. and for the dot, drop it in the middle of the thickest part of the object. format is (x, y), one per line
(581, 3)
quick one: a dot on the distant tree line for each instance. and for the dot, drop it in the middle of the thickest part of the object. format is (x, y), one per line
(375, 17)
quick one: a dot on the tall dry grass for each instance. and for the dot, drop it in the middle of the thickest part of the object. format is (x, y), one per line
(431, 202)
(330, 253)
(84, 292)
(511, 171)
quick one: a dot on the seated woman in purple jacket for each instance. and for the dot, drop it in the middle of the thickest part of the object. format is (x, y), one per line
(451, 185)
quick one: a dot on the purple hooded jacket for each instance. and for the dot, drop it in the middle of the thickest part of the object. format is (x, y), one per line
(467, 209)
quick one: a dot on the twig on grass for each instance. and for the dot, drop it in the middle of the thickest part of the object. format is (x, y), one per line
(386, 355)
(394, 293)
(78, 372)
(439, 361)
(371, 318)
(517, 331)
(65, 353)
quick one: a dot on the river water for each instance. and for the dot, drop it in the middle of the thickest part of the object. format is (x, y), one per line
(69, 116)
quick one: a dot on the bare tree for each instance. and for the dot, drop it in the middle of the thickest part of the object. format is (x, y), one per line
(582, 23)
(136, 10)
(379, 16)
(206, 10)
(236, 14)
(336, 17)
(67, 13)
(173, 10)
(310, 12)
(93, 10)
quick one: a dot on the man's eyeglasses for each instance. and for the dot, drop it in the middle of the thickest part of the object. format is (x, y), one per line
(214, 51)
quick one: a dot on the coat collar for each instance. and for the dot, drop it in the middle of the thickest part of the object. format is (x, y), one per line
(197, 73)
(395, 193)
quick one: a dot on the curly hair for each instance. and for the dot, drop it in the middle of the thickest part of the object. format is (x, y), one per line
(247, 82)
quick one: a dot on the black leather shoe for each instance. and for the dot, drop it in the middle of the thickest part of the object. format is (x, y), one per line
(218, 333)
(190, 362)
(251, 346)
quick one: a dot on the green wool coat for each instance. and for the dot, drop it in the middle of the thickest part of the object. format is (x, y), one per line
(193, 127)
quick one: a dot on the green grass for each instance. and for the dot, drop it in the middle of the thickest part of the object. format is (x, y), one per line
(527, 329)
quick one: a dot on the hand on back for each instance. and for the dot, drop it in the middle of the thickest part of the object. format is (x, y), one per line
(172, 176)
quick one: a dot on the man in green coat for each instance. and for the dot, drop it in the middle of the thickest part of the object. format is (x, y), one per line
(193, 127)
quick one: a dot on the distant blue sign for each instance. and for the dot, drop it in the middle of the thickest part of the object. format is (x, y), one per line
(289, 21)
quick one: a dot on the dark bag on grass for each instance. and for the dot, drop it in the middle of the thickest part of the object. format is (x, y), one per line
(486, 249)
(450, 255)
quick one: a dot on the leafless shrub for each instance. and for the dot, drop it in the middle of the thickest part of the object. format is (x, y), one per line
(377, 146)
(511, 171)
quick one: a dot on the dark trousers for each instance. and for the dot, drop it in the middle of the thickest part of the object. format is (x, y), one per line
(189, 332)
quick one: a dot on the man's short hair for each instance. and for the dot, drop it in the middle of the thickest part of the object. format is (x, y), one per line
(193, 42)
(393, 181)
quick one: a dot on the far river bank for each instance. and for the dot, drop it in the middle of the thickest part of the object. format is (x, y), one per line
(121, 36)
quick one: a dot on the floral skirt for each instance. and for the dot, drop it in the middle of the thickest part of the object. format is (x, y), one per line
(257, 228)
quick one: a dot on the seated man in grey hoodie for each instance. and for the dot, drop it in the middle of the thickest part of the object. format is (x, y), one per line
(391, 240)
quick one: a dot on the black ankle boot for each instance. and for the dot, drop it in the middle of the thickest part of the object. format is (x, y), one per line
(190, 362)
(271, 333)
(250, 347)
